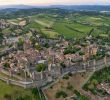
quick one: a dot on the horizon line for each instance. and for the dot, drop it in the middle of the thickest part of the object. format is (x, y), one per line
(56, 4)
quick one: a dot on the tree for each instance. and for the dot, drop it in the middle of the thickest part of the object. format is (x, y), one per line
(71, 50)
(1, 38)
(61, 93)
(94, 81)
(6, 65)
(81, 53)
(46, 45)
(63, 65)
(26, 97)
(7, 96)
(91, 86)
(21, 41)
(66, 77)
(37, 46)
(35, 93)
(70, 87)
(33, 40)
(40, 67)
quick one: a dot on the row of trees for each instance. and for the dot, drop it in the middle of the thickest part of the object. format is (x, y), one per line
(1, 36)
(71, 50)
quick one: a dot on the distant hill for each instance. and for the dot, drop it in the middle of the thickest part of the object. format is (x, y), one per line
(15, 11)
(16, 6)
(67, 7)
(20, 7)
(84, 7)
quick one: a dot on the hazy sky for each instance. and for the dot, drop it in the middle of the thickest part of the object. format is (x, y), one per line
(48, 2)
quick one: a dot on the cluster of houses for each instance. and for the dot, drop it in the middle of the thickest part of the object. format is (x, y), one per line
(29, 57)
(3, 24)
(26, 59)
(104, 87)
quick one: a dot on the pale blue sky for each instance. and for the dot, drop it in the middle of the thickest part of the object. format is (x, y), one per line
(53, 2)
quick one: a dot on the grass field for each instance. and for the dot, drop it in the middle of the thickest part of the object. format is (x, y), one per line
(33, 25)
(62, 29)
(10, 92)
(14, 20)
(43, 19)
(50, 33)
(6, 31)
(72, 26)
(70, 30)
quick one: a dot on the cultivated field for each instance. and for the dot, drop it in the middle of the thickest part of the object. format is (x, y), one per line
(72, 26)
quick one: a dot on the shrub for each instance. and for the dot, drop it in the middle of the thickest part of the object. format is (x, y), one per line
(81, 53)
(70, 74)
(70, 87)
(62, 65)
(40, 67)
(81, 97)
(77, 93)
(6, 65)
(7, 96)
(66, 77)
(61, 94)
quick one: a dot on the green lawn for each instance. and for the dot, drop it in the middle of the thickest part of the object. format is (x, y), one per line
(50, 33)
(62, 28)
(43, 19)
(10, 92)
(80, 27)
(94, 20)
(14, 21)
(44, 23)
(33, 25)
(6, 31)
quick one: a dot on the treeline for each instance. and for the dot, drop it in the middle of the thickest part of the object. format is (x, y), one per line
(14, 13)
